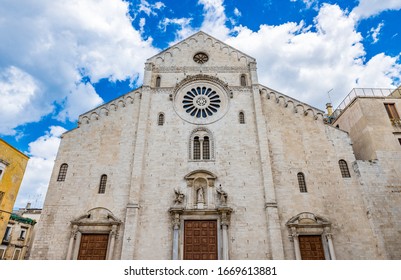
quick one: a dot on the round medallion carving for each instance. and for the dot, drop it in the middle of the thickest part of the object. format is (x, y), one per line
(201, 58)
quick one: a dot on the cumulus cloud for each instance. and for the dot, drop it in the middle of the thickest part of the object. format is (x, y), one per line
(375, 32)
(214, 18)
(368, 8)
(48, 46)
(306, 64)
(42, 154)
(18, 92)
(150, 9)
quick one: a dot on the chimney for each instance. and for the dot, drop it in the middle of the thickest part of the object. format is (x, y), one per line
(329, 109)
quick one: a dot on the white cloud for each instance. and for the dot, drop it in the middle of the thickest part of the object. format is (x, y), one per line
(214, 18)
(47, 45)
(306, 64)
(150, 9)
(142, 23)
(237, 12)
(80, 99)
(309, 3)
(184, 30)
(368, 8)
(42, 154)
(375, 32)
(18, 92)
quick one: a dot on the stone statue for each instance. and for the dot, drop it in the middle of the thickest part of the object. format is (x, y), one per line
(201, 198)
(222, 195)
(179, 196)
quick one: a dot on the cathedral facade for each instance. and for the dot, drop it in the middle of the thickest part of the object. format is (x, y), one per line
(203, 162)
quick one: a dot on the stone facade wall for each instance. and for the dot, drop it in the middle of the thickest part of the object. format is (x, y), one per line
(103, 145)
(256, 163)
(303, 143)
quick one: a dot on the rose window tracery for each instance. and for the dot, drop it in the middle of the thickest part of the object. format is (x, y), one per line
(201, 102)
(201, 58)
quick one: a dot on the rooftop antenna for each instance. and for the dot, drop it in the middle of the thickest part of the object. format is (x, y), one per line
(329, 107)
(328, 93)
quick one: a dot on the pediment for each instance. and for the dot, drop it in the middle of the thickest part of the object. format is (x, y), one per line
(218, 53)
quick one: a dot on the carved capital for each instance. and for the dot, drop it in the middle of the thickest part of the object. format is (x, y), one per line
(113, 231)
(74, 231)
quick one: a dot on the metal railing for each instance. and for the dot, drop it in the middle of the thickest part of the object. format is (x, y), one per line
(366, 92)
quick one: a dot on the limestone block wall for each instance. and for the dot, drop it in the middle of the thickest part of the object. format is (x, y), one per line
(369, 126)
(224, 62)
(382, 194)
(102, 144)
(299, 141)
(236, 166)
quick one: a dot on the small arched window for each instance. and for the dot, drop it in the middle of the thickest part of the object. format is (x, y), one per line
(201, 145)
(243, 80)
(196, 148)
(158, 81)
(63, 172)
(206, 148)
(160, 120)
(241, 117)
(344, 168)
(301, 182)
(102, 185)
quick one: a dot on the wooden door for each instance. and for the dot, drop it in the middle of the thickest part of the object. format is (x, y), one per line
(200, 240)
(311, 247)
(93, 247)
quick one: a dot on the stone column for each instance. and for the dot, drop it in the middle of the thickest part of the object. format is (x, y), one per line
(201, 148)
(176, 232)
(296, 246)
(113, 234)
(224, 232)
(176, 221)
(331, 246)
(224, 228)
(71, 243)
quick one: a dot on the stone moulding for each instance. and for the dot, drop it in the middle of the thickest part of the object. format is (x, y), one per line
(105, 109)
(297, 107)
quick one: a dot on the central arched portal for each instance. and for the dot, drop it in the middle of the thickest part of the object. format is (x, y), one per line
(200, 218)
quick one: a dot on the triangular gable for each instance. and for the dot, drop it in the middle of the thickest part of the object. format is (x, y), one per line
(200, 41)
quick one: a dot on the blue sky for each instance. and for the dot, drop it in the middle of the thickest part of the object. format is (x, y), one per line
(59, 59)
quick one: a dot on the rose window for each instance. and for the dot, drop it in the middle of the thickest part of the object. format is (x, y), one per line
(201, 58)
(201, 102)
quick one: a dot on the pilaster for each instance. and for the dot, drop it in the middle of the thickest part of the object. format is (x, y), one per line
(133, 206)
(273, 222)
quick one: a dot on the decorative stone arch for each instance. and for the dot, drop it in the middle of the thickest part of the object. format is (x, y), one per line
(129, 99)
(97, 220)
(121, 103)
(307, 223)
(113, 107)
(201, 133)
(94, 116)
(104, 111)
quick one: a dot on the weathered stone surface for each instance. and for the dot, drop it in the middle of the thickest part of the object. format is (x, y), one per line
(256, 163)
